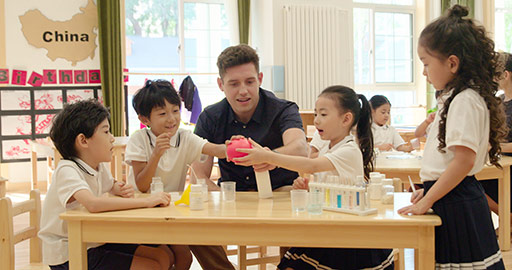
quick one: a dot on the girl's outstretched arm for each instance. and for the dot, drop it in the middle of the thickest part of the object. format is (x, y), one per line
(456, 171)
(258, 155)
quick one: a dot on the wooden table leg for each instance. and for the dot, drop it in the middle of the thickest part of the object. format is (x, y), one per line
(77, 248)
(425, 254)
(504, 209)
(3, 189)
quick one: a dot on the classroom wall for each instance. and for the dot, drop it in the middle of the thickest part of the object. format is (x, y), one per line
(19, 54)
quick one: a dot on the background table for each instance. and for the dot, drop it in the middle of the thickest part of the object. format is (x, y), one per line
(251, 221)
(402, 168)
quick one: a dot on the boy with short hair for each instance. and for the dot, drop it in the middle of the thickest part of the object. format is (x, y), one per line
(163, 149)
(81, 134)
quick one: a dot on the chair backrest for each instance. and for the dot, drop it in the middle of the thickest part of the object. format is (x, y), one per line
(7, 237)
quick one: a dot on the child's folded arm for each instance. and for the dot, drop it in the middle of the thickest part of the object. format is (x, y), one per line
(101, 204)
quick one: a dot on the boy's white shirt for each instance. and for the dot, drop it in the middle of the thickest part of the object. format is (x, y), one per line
(66, 181)
(172, 166)
(386, 134)
(345, 156)
(467, 124)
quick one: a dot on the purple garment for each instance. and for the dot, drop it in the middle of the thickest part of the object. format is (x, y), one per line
(196, 107)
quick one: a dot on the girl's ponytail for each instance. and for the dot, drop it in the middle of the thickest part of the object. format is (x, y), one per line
(365, 136)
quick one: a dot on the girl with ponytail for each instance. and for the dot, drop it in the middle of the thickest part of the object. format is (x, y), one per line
(337, 110)
(460, 62)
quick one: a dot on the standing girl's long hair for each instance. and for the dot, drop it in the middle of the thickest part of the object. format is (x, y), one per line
(348, 100)
(478, 69)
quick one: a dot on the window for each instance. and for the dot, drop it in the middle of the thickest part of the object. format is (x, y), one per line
(383, 52)
(503, 25)
(175, 36)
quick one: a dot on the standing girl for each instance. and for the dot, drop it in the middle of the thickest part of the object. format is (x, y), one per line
(337, 110)
(460, 58)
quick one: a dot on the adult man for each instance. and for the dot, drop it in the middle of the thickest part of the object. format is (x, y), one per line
(252, 112)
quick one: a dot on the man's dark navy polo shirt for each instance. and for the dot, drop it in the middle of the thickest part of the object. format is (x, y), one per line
(272, 117)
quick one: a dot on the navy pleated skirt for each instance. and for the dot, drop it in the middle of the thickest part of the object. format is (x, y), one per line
(337, 258)
(466, 239)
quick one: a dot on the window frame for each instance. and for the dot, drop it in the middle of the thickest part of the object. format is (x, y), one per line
(388, 8)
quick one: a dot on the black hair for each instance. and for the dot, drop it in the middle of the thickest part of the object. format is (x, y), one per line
(348, 100)
(379, 100)
(508, 61)
(153, 94)
(454, 35)
(82, 117)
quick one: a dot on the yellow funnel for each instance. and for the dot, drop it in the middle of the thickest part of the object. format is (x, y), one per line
(185, 197)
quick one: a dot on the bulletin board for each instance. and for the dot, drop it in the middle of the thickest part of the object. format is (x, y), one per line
(26, 114)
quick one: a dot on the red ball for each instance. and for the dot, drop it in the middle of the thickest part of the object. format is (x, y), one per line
(235, 144)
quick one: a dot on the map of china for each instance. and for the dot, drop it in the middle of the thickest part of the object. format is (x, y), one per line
(73, 40)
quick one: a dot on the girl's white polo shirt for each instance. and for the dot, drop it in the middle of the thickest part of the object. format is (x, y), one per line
(66, 181)
(346, 158)
(386, 134)
(467, 124)
(186, 147)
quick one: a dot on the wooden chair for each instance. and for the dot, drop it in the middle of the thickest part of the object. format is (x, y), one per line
(262, 260)
(8, 238)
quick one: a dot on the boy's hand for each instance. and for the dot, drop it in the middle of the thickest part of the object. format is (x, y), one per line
(159, 199)
(163, 142)
(122, 189)
(227, 142)
(301, 183)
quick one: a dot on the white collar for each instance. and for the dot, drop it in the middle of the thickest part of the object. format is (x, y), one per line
(345, 140)
(375, 126)
(85, 167)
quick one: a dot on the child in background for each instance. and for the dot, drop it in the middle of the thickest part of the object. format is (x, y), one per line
(385, 137)
(163, 149)
(81, 134)
(491, 186)
(460, 58)
(337, 110)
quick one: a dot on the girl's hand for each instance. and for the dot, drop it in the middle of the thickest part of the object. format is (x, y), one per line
(385, 147)
(430, 117)
(301, 183)
(255, 155)
(163, 142)
(417, 195)
(419, 207)
(159, 199)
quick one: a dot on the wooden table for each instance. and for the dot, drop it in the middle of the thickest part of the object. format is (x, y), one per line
(3, 189)
(250, 221)
(402, 168)
(46, 148)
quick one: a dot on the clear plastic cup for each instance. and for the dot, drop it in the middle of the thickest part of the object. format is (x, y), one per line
(299, 200)
(228, 189)
(315, 200)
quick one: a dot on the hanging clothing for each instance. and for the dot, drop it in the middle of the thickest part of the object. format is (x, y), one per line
(190, 96)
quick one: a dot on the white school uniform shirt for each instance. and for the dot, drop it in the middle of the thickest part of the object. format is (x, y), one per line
(66, 181)
(346, 158)
(186, 147)
(467, 124)
(386, 134)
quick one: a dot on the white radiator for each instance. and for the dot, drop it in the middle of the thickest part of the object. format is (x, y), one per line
(318, 52)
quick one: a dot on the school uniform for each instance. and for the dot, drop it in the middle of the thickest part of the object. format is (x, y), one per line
(386, 134)
(186, 148)
(348, 161)
(466, 238)
(69, 177)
